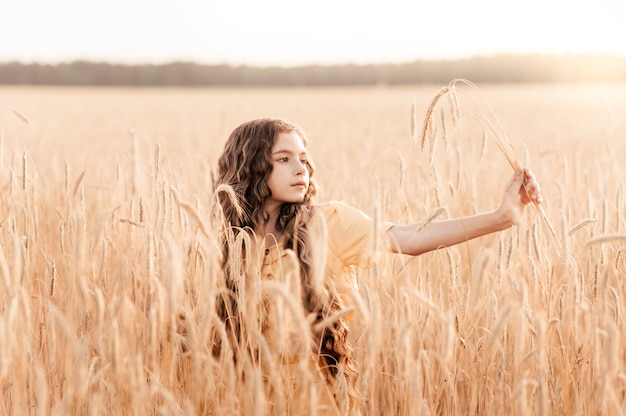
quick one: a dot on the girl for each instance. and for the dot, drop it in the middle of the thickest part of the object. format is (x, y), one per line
(276, 234)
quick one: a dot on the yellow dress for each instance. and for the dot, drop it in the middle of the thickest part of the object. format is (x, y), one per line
(345, 238)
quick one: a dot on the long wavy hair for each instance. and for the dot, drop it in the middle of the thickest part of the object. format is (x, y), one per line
(245, 166)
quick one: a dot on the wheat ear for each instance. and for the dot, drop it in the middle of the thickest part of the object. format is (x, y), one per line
(491, 125)
(21, 116)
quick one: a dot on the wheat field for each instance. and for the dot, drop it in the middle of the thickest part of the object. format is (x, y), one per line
(108, 250)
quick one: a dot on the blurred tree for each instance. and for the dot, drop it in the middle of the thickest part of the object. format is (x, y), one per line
(492, 69)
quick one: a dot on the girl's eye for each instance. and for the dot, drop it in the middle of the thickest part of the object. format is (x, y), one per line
(283, 159)
(304, 161)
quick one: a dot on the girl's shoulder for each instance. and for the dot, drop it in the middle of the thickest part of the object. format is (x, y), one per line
(329, 205)
(351, 233)
(342, 216)
(346, 218)
(336, 208)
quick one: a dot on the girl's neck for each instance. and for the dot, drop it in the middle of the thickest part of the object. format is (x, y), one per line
(269, 236)
(268, 231)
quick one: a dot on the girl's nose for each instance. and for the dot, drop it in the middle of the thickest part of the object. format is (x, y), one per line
(300, 168)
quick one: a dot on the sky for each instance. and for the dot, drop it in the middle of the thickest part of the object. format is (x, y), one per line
(293, 32)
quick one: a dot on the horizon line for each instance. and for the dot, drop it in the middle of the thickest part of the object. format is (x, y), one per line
(310, 64)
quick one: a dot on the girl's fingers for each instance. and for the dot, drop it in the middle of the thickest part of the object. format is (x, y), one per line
(532, 187)
(517, 180)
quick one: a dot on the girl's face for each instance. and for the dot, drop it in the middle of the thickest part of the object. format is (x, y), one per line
(289, 179)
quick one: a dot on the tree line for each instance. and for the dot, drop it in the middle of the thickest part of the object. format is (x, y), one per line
(486, 69)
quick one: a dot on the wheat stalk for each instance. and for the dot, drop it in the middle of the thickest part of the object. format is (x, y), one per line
(78, 182)
(413, 120)
(581, 225)
(621, 238)
(232, 197)
(24, 170)
(22, 117)
(491, 125)
(157, 160)
(135, 161)
(427, 128)
(618, 207)
(131, 222)
(141, 210)
(53, 275)
(194, 213)
(430, 218)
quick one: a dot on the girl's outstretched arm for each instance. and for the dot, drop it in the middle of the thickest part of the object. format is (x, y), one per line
(521, 189)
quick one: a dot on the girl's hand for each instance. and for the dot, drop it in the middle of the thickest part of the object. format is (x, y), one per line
(521, 190)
